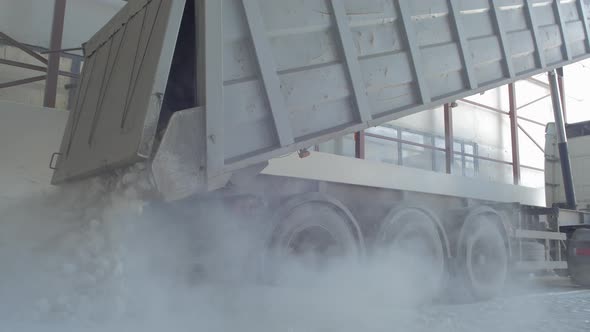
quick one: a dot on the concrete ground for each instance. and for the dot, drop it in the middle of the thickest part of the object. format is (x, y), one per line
(546, 304)
(551, 304)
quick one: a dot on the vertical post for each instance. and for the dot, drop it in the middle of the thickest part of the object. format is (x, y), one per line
(359, 145)
(566, 167)
(539, 46)
(351, 61)
(433, 153)
(449, 140)
(514, 133)
(75, 83)
(462, 42)
(561, 83)
(414, 51)
(463, 160)
(57, 29)
(400, 148)
(268, 72)
(213, 41)
(502, 38)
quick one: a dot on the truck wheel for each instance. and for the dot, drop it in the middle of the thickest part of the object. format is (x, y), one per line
(415, 235)
(310, 234)
(579, 257)
(482, 258)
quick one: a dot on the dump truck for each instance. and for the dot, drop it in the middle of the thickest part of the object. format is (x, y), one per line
(224, 101)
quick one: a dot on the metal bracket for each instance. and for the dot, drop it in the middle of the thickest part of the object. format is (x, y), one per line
(303, 153)
(52, 162)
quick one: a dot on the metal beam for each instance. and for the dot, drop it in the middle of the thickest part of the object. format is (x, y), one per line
(414, 51)
(63, 50)
(57, 29)
(430, 147)
(268, 72)
(565, 46)
(213, 20)
(35, 68)
(73, 87)
(538, 235)
(497, 110)
(536, 35)
(538, 82)
(584, 19)
(23, 81)
(449, 140)
(89, 68)
(402, 141)
(561, 84)
(514, 133)
(532, 266)
(23, 48)
(531, 138)
(352, 63)
(496, 13)
(530, 103)
(480, 105)
(465, 52)
(359, 145)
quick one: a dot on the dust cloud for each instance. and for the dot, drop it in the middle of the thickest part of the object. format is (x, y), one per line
(92, 257)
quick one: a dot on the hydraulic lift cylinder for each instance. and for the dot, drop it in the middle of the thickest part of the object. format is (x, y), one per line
(566, 168)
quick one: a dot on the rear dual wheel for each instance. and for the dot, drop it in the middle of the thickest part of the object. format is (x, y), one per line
(311, 234)
(412, 240)
(315, 234)
(482, 258)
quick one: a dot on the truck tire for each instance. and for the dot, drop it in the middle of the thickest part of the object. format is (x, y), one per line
(579, 257)
(311, 232)
(416, 235)
(482, 258)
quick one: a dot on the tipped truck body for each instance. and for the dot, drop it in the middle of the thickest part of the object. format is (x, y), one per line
(222, 86)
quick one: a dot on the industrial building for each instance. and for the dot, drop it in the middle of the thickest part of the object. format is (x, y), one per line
(446, 134)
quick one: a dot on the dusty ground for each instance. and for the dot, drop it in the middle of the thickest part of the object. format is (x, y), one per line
(90, 269)
(546, 305)
(552, 306)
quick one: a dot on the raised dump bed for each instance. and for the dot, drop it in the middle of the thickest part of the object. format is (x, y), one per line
(224, 85)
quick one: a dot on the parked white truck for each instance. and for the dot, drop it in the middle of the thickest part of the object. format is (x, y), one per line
(215, 94)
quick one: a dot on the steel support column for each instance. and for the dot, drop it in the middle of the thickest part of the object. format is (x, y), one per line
(359, 145)
(59, 11)
(561, 83)
(514, 133)
(449, 140)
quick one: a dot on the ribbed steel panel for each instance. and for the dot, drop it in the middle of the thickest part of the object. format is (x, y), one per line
(281, 75)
